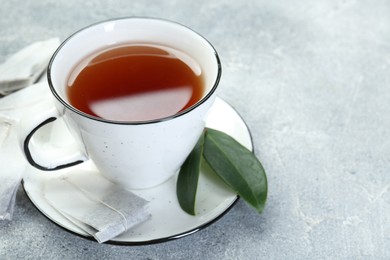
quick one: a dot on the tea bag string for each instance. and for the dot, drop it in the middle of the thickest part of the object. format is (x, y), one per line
(93, 198)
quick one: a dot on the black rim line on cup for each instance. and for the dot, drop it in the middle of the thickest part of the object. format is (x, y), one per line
(70, 107)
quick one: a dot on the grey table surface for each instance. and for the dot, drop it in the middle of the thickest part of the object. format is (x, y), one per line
(312, 81)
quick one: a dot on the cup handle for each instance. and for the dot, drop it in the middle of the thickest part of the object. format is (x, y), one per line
(43, 160)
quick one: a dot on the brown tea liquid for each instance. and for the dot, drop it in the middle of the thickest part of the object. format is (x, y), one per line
(135, 83)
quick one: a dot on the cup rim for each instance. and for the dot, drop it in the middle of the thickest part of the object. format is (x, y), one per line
(152, 121)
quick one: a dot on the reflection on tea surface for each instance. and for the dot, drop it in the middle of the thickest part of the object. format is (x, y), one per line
(135, 83)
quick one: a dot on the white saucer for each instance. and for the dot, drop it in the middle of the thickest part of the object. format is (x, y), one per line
(168, 220)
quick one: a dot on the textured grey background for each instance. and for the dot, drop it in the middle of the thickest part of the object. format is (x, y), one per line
(312, 81)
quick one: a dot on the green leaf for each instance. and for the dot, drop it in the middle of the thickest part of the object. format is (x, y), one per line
(187, 182)
(237, 166)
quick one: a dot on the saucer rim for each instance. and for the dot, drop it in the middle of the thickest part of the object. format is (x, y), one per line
(162, 239)
(137, 243)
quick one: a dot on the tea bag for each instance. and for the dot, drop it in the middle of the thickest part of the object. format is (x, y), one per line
(26, 66)
(10, 175)
(12, 162)
(100, 208)
(19, 71)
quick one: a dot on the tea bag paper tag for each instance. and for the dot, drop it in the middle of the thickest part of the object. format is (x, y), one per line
(26, 66)
(102, 209)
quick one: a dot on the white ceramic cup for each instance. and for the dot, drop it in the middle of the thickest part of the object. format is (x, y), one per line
(133, 154)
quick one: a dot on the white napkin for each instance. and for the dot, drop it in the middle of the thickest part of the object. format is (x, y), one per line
(26, 66)
(102, 209)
